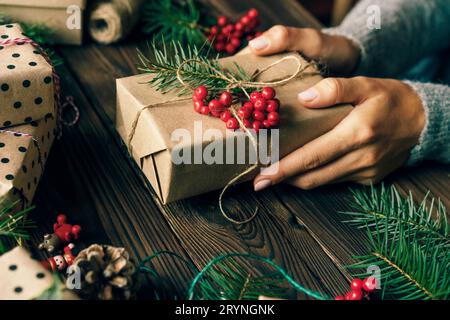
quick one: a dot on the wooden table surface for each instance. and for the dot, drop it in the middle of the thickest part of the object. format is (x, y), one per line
(90, 178)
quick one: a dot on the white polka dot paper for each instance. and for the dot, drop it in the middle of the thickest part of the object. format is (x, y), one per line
(22, 278)
(26, 83)
(23, 152)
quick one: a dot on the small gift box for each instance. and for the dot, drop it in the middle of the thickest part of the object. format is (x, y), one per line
(26, 82)
(63, 17)
(151, 125)
(22, 278)
(23, 152)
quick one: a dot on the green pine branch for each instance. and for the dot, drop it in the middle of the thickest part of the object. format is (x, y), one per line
(428, 219)
(13, 224)
(408, 242)
(174, 21)
(168, 64)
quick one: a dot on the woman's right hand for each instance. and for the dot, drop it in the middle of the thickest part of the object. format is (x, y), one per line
(338, 53)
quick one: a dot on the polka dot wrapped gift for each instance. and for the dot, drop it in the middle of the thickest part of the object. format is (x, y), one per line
(23, 152)
(26, 80)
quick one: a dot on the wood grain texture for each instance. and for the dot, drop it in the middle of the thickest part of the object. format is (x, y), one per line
(91, 178)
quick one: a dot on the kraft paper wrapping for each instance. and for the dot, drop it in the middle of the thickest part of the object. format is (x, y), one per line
(152, 145)
(22, 278)
(22, 159)
(112, 20)
(58, 15)
(26, 83)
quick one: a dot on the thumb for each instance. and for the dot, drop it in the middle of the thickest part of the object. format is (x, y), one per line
(280, 38)
(332, 91)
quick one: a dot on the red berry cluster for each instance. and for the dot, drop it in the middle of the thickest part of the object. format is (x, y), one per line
(359, 289)
(261, 112)
(228, 37)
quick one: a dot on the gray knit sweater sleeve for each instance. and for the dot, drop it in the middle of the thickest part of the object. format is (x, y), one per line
(408, 31)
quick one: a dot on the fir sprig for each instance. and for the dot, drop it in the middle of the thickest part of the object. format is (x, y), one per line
(13, 224)
(174, 21)
(408, 242)
(169, 62)
(429, 218)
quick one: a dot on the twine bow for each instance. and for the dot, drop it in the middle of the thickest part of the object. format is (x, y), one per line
(233, 83)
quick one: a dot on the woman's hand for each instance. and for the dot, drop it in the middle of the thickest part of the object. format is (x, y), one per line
(372, 141)
(338, 53)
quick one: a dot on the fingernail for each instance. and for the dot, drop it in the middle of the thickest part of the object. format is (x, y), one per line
(263, 184)
(259, 43)
(308, 95)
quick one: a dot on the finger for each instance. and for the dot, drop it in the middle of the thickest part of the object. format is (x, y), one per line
(335, 171)
(280, 38)
(314, 154)
(332, 91)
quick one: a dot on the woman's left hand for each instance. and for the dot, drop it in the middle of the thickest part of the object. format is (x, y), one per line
(371, 142)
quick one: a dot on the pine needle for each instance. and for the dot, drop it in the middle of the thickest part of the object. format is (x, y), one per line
(410, 248)
(171, 20)
(168, 60)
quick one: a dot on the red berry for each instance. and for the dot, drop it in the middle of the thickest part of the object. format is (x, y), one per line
(226, 98)
(230, 49)
(257, 125)
(235, 42)
(214, 30)
(369, 284)
(266, 123)
(232, 124)
(356, 284)
(225, 116)
(254, 96)
(245, 20)
(220, 38)
(198, 105)
(219, 46)
(222, 21)
(339, 298)
(201, 93)
(247, 123)
(273, 105)
(258, 115)
(238, 34)
(253, 13)
(216, 114)
(244, 113)
(216, 106)
(274, 118)
(248, 105)
(238, 26)
(204, 110)
(268, 93)
(354, 295)
(260, 104)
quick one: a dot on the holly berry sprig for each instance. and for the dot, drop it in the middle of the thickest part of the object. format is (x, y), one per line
(259, 112)
(359, 289)
(228, 37)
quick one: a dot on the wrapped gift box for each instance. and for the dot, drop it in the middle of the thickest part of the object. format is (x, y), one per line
(152, 146)
(23, 152)
(26, 83)
(55, 14)
(22, 278)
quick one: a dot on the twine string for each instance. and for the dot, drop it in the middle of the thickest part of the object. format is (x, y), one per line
(233, 83)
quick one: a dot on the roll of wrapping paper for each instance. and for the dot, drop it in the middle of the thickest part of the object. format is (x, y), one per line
(111, 21)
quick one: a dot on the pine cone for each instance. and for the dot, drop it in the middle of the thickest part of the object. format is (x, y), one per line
(107, 273)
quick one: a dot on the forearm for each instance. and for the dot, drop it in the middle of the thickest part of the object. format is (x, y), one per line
(409, 30)
(434, 143)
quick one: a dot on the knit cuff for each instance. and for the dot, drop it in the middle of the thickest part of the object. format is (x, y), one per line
(434, 139)
(363, 41)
